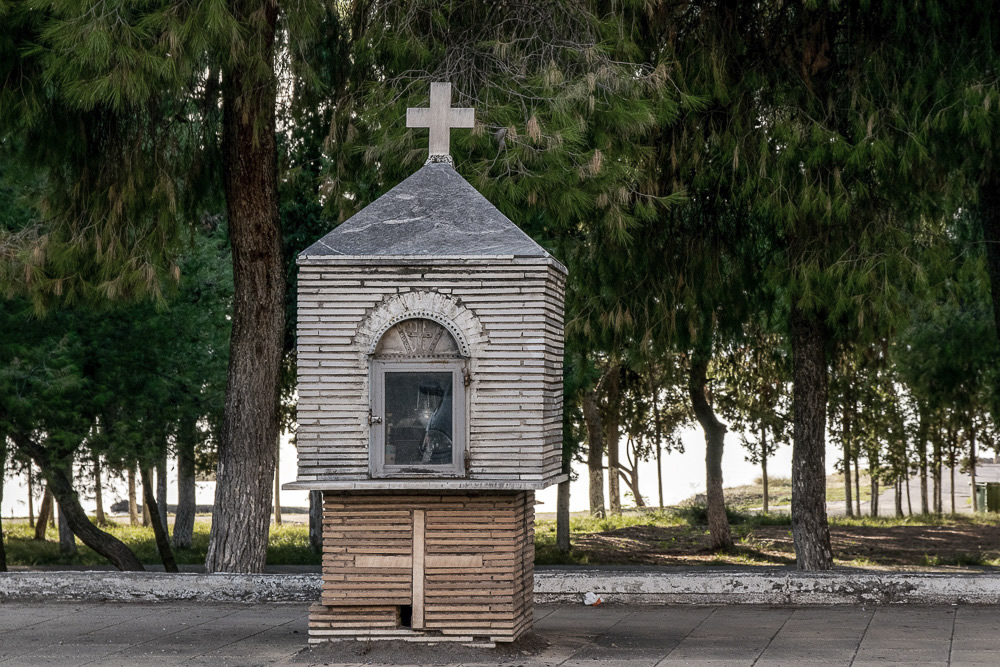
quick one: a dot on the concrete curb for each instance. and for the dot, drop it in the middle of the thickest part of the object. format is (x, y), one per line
(710, 587)
(158, 587)
(769, 587)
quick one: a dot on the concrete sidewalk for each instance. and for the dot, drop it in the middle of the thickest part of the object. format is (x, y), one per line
(57, 633)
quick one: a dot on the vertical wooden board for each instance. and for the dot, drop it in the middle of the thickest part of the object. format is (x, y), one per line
(417, 620)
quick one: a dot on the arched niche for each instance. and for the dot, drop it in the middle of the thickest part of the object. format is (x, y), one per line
(418, 401)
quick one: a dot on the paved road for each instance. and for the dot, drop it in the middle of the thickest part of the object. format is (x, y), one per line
(986, 471)
(212, 634)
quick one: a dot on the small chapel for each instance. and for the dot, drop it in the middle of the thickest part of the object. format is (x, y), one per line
(430, 348)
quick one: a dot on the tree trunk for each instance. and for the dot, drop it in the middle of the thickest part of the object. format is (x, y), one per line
(810, 529)
(31, 498)
(938, 494)
(241, 516)
(99, 516)
(612, 416)
(989, 199)
(763, 480)
(898, 488)
(909, 501)
(972, 463)
(159, 526)
(147, 520)
(316, 521)
(133, 506)
(951, 464)
(630, 474)
(59, 483)
(857, 482)
(184, 517)
(715, 438)
(277, 484)
(659, 472)
(562, 517)
(44, 513)
(634, 485)
(595, 452)
(874, 492)
(922, 431)
(845, 441)
(936, 456)
(67, 541)
(3, 471)
(658, 432)
(935, 488)
(161, 491)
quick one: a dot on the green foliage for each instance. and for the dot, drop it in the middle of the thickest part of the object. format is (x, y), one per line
(948, 353)
(701, 168)
(756, 399)
(561, 139)
(119, 382)
(697, 515)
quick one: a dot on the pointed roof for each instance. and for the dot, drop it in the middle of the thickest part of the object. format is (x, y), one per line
(434, 212)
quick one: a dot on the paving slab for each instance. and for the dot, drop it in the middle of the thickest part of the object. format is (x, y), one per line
(120, 634)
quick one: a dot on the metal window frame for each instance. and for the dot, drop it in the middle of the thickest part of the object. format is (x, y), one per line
(460, 408)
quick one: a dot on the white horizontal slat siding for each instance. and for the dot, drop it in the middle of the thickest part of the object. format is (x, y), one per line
(515, 398)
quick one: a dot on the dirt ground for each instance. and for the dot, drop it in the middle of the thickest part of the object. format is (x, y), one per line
(918, 547)
(387, 652)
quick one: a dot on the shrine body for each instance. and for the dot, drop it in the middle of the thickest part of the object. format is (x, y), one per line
(429, 347)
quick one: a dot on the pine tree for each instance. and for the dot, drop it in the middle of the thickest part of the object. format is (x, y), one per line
(139, 88)
(755, 375)
(561, 112)
(88, 382)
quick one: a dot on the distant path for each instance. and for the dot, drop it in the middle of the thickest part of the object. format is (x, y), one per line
(985, 472)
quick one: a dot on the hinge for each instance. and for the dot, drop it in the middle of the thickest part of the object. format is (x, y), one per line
(466, 376)
(373, 419)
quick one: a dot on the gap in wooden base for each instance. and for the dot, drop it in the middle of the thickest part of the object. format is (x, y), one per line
(406, 616)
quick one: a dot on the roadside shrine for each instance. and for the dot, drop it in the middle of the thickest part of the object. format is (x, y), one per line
(430, 345)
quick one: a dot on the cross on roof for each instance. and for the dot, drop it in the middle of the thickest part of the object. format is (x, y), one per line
(440, 118)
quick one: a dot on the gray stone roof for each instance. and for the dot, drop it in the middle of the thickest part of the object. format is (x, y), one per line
(433, 212)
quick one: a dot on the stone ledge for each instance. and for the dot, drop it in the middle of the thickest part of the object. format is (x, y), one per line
(771, 587)
(416, 484)
(710, 587)
(158, 587)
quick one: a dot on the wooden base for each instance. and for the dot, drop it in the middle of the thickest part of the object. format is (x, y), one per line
(425, 567)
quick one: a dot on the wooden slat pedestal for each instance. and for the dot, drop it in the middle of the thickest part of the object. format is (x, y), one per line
(456, 565)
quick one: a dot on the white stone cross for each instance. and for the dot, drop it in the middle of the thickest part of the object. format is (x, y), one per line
(440, 118)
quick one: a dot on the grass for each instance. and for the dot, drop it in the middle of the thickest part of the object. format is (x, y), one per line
(676, 536)
(288, 545)
(679, 536)
(779, 492)
(546, 552)
(952, 520)
(835, 487)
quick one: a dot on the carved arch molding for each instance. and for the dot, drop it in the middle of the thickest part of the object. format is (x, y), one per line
(466, 332)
